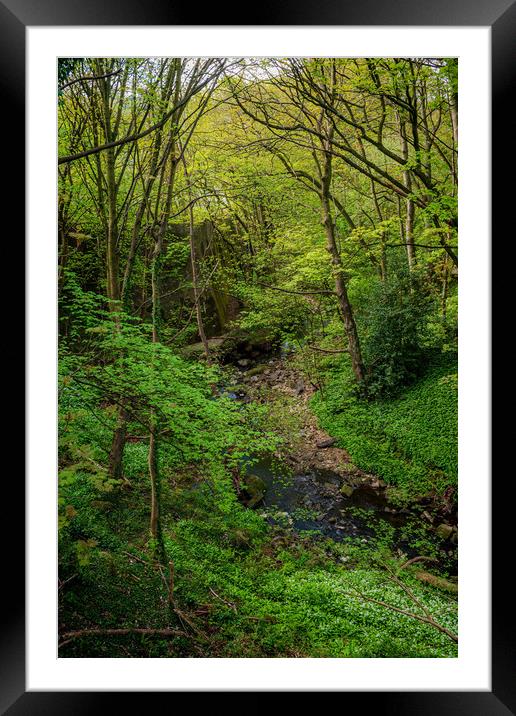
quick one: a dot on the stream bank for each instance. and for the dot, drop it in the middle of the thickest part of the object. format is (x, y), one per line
(311, 485)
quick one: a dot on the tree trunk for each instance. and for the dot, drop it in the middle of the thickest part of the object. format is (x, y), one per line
(193, 260)
(63, 256)
(410, 206)
(159, 235)
(116, 453)
(444, 292)
(340, 282)
(154, 480)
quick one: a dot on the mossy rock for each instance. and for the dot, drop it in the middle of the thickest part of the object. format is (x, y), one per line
(257, 370)
(444, 531)
(255, 487)
(196, 350)
(240, 538)
(346, 490)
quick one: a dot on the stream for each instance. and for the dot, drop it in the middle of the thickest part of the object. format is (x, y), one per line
(322, 503)
(312, 502)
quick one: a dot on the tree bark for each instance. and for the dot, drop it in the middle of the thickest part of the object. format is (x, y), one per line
(410, 206)
(340, 282)
(193, 260)
(154, 478)
(116, 452)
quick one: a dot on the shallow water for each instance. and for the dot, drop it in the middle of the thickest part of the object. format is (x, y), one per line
(313, 501)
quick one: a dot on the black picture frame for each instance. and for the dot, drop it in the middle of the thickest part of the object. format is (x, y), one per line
(500, 16)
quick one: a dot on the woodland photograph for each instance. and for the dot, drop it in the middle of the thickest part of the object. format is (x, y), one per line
(257, 289)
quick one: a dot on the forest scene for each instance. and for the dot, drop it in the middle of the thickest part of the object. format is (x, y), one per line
(257, 361)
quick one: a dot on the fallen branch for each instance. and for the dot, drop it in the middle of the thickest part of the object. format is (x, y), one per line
(61, 584)
(425, 619)
(184, 618)
(139, 559)
(69, 636)
(296, 293)
(171, 583)
(435, 581)
(418, 559)
(327, 350)
(89, 78)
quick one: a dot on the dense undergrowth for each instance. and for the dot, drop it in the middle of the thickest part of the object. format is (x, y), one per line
(410, 440)
(225, 581)
(241, 588)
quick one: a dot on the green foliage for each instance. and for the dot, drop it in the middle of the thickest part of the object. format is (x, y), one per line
(149, 377)
(251, 591)
(244, 584)
(409, 441)
(392, 318)
(276, 315)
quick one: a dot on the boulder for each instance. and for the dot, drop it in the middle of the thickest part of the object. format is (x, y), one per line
(299, 388)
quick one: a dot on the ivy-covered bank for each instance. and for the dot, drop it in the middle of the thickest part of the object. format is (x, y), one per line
(410, 441)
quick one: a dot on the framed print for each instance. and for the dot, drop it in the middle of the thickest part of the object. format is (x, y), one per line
(286, 133)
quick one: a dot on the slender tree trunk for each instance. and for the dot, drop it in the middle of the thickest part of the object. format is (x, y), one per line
(455, 123)
(197, 298)
(410, 206)
(444, 292)
(383, 258)
(112, 257)
(193, 260)
(154, 421)
(63, 256)
(153, 457)
(154, 479)
(116, 452)
(383, 255)
(409, 228)
(113, 282)
(340, 282)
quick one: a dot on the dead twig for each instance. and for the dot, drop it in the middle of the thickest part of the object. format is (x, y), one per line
(229, 604)
(61, 584)
(425, 619)
(171, 583)
(327, 350)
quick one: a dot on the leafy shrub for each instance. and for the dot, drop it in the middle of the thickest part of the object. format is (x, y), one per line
(392, 321)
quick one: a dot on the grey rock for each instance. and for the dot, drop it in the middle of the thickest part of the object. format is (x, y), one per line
(299, 388)
(326, 443)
